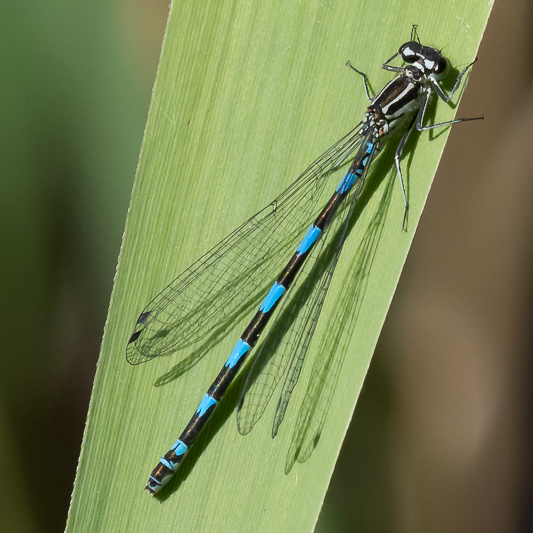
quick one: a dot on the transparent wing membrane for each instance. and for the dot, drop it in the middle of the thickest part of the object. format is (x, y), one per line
(207, 294)
(284, 349)
(324, 375)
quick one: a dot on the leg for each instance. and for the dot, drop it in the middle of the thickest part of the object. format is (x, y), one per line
(391, 68)
(438, 89)
(422, 111)
(365, 80)
(397, 158)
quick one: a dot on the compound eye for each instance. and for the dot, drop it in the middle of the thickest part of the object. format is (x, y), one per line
(441, 66)
(410, 51)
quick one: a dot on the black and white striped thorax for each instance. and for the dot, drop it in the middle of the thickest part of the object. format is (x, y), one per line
(409, 91)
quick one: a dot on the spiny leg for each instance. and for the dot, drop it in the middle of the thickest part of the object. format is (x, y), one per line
(397, 158)
(422, 111)
(438, 89)
(365, 80)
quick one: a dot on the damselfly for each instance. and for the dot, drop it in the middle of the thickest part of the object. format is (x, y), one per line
(210, 293)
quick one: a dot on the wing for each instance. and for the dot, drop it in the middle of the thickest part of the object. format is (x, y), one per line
(326, 369)
(232, 273)
(288, 340)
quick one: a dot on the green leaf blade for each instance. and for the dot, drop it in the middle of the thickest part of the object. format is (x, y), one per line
(247, 95)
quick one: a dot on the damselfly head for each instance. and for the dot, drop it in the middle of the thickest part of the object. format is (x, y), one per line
(429, 60)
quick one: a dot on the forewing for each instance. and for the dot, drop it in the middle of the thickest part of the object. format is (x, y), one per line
(235, 271)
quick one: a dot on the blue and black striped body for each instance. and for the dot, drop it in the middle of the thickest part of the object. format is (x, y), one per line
(170, 462)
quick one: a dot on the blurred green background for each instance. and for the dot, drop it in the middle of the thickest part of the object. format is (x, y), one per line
(441, 436)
